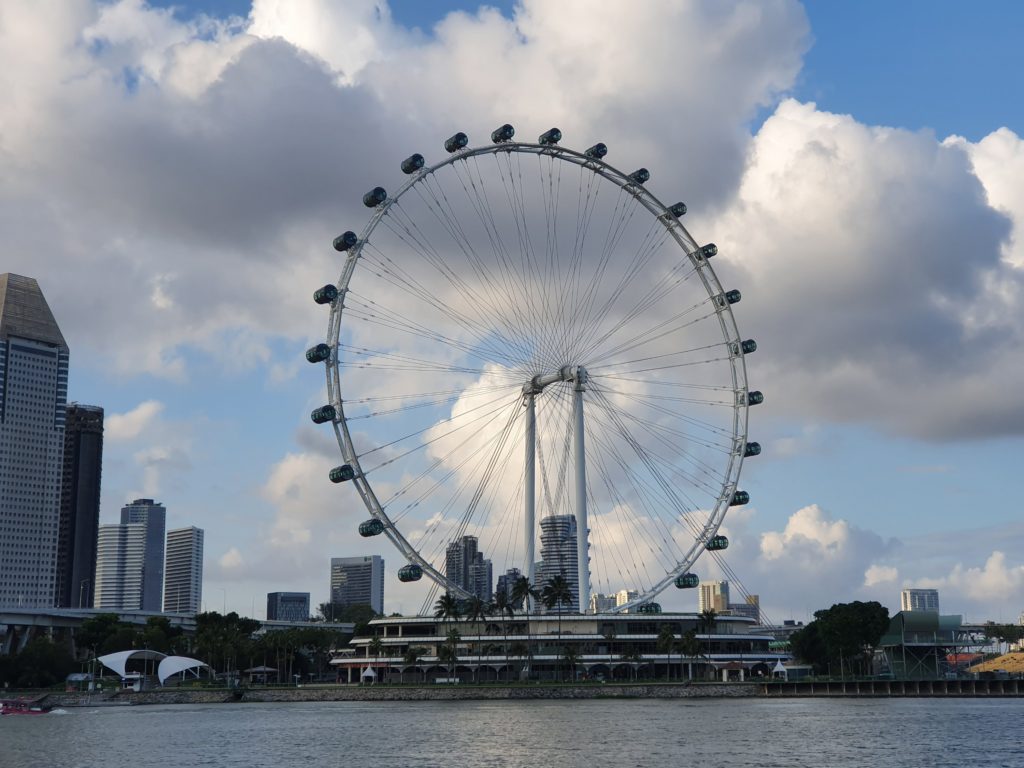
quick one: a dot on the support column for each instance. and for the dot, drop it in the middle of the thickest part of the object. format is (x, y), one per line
(582, 538)
(529, 489)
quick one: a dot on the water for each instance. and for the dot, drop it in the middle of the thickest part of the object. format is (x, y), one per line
(824, 733)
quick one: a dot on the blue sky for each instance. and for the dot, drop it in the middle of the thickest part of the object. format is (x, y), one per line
(182, 220)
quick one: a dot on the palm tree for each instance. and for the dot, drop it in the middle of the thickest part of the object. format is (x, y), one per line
(522, 593)
(410, 658)
(706, 624)
(476, 611)
(375, 647)
(449, 652)
(503, 605)
(447, 608)
(571, 657)
(689, 645)
(665, 643)
(555, 594)
(634, 658)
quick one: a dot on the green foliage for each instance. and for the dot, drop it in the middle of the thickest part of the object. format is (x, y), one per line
(41, 664)
(842, 637)
(359, 614)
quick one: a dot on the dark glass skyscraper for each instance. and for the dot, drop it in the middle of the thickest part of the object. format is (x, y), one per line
(79, 506)
(153, 515)
(33, 399)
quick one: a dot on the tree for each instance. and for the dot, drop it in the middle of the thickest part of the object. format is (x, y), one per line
(375, 647)
(557, 593)
(359, 614)
(522, 593)
(844, 633)
(706, 623)
(690, 646)
(476, 611)
(502, 605)
(449, 652)
(633, 657)
(571, 657)
(447, 608)
(666, 643)
(410, 658)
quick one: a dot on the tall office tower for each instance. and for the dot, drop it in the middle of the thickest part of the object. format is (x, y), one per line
(358, 581)
(288, 606)
(601, 603)
(714, 596)
(466, 565)
(120, 567)
(558, 557)
(919, 600)
(33, 402)
(507, 583)
(183, 571)
(624, 596)
(79, 506)
(154, 517)
(751, 608)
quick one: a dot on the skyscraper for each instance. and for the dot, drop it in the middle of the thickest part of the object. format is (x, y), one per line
(558, 556)
(79, 506)
(183, 571)
(358, 581)
(120, 564)
(288, 606)
(466, 565)
(154, 517)
(507, 582)
(33, 402)
(714, 596)
(919, 600)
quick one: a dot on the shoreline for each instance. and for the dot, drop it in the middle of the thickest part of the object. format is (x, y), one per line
(383, 693)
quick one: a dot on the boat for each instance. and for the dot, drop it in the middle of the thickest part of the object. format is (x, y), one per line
(22, 707)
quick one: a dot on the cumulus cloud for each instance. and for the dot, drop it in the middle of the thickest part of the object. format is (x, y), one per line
(129, 425)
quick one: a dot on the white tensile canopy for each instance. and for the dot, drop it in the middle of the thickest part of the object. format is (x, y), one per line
(118, 661)
(172, 665)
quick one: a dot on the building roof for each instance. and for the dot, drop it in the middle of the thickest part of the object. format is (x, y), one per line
(1012, 663)
(24, 312)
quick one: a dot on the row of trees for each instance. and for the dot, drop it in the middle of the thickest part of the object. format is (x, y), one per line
(842, 639)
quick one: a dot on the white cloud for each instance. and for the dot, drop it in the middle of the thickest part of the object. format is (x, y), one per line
(880, 574)
(128, 426)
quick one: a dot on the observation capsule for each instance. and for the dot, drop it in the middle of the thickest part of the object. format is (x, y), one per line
(649, 608)
(456, 142)
(342, 474)
(318, 354)
(748, 346)
(640, 176)
(325, 295)
(755, 398)
(709, 250)
(752, 449)
(733, 296)
(738, 498)
(717, 543)
(412, 163)
(375, 197)
(371, 527)
(552, 136)
(345, 240)
(687, 581)
(503, 134)
(323, 414)
(678, 210)
(410, 572)
(597, 151)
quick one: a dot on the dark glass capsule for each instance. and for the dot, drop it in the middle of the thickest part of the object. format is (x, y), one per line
(649, 608)
(552, 136)
(748, 346)
(678, 210)
(412, 163)
(597, 151)
(410, 572)
(375, 197)
(687, 581)
(325, 295)
(709, 250)
(752, 449)
(456, 142)
(733, 296)
(371, 527)
(323, 414)
(717, 543)
(755, 398)
(342, 474)
(640, 176)
(318, 354)
(345, 241)
(739, 498)
(503, 134)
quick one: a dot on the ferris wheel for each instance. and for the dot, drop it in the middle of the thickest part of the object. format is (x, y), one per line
(531, 363)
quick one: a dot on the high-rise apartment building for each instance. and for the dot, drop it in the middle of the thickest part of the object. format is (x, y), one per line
(33, 402)
(79, 506)
(120, 567)
(601, 603)
(624, 596)
(714, 596)
(558, 557)
(919, 600)
(507, 583)
(466, 565)
(183, 571)
(358, 581)
(751, 608)
(288, 606)
(154, 516)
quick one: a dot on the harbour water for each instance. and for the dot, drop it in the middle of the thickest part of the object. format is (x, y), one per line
(896, 733)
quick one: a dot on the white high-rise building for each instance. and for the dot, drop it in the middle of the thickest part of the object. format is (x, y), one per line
(624, 596)
(358, 581)
(33, 407)
(183, 570)
(919, 600)
(558, 557)
(601, 603)
(120, 559)
(714, 596)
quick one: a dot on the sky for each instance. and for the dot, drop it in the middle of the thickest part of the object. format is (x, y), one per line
(173, 174)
